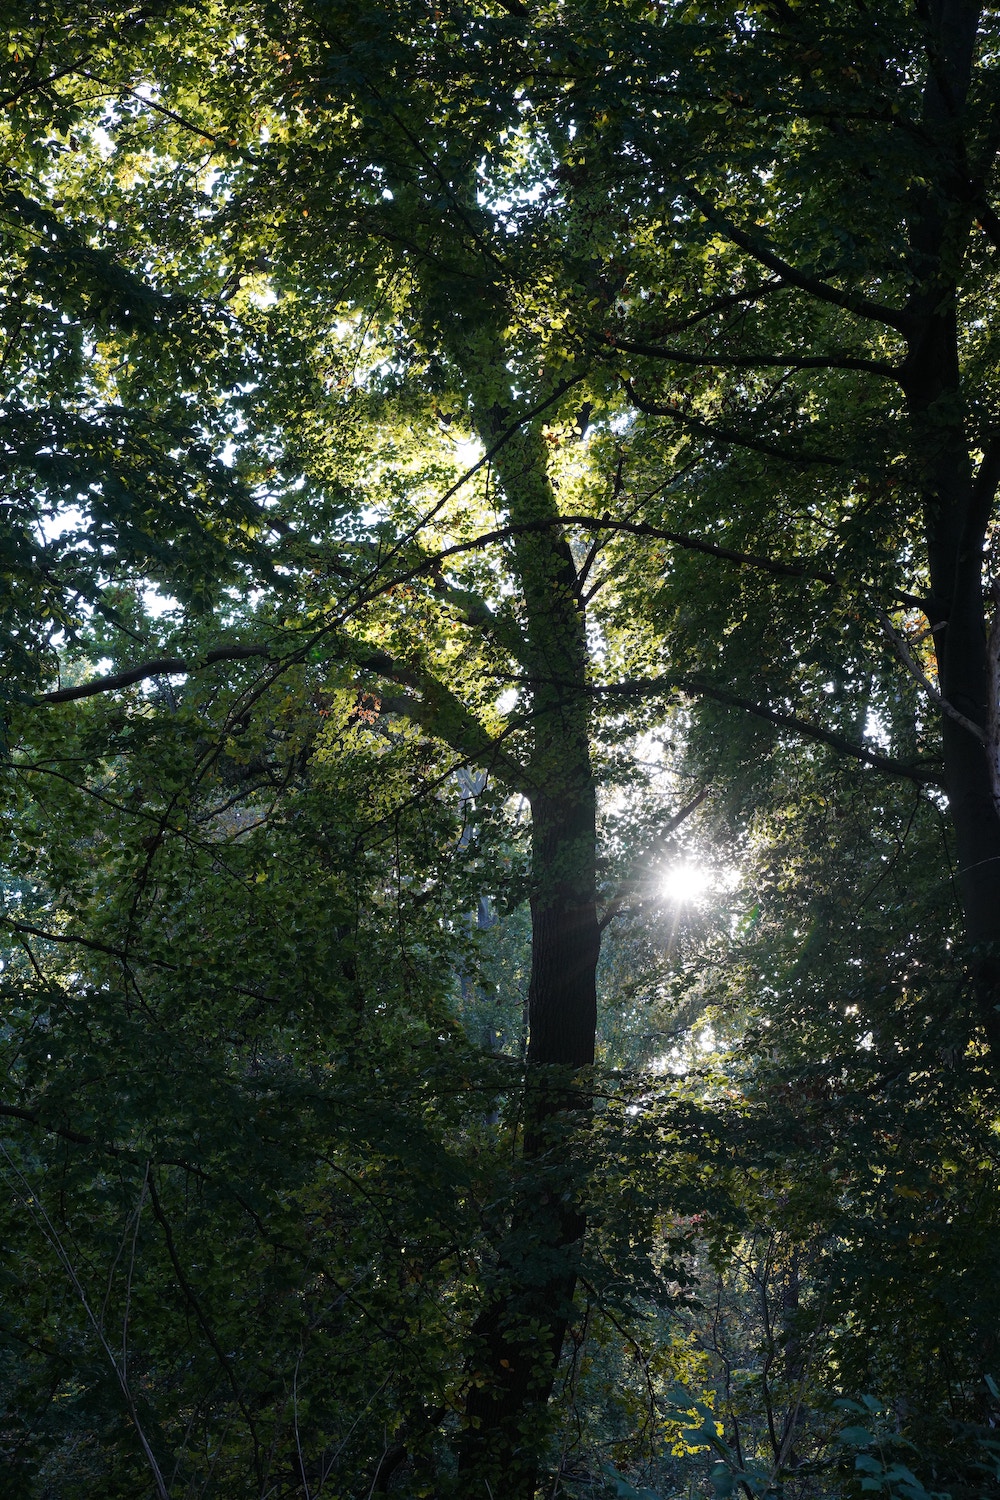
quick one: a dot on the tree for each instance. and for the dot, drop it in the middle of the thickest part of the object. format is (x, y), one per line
(459, 305)
(112, 423)
(827, 184)
(491, 225)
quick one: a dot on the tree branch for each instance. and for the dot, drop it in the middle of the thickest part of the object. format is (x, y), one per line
(437, 710)
(475, 612)
(196, 1308)
(776, 566)
(120, 954)
(761, 361)
(729, 435)
(164, 666)
(621, 895)
(77, 1138)
(723, 304)
(83, 942)
(606, 522)
(693, 687)
(919, 675)
(161, 109)
(861, 307)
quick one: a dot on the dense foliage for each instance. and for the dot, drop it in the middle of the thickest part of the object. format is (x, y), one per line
(467, 465)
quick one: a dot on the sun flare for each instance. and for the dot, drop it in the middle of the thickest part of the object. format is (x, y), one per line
(686, 883)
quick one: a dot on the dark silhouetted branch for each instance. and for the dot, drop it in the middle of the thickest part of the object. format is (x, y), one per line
(163, 666)
(730, 436)
(861, 307)
(757, 361)
(651, 687)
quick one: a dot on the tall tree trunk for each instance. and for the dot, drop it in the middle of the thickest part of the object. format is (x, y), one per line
(957, 501)
(519, 1332)
(957, 508)
(562, 997)
(521, 1328)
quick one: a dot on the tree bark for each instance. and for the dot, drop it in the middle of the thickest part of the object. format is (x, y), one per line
(519, 1332)
(957, 501)
(521, 1328)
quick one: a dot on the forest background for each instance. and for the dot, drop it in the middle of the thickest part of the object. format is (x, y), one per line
(501, 851)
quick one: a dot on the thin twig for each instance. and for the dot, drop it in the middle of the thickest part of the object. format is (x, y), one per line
(37, 1211)
(919, 675)
(622, 894)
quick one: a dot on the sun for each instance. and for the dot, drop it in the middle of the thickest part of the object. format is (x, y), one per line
(686, 883)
